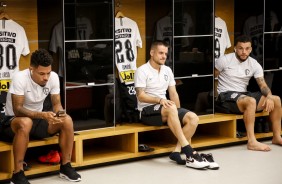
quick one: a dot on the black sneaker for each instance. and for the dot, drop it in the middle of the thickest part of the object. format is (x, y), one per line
(209, 158)
(67, 172)
(19, 178)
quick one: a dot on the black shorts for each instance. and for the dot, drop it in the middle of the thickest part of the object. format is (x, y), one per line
(39, 129)
(151, 115)
(227, 102)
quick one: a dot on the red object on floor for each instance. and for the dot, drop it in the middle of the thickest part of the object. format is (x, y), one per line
(52, 157)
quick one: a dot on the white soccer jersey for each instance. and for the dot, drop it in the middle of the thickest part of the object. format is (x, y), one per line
(84, 31)
(127, 39)
(155, 83)
(164, 32)
(56, 45)
(253, 27)
(235, 75)
(33, 93)
(222, 40)
(13, 43)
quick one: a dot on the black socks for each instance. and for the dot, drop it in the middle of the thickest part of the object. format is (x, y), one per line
(188, 150)
(175, 156)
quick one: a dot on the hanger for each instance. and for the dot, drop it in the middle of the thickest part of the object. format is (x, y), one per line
(119, 14)
(4, 16)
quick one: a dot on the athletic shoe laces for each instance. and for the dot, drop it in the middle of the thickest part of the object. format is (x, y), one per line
(197, 157)
(208, 157)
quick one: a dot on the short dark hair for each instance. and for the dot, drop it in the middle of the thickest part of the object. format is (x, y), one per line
(159, 42)
(242, 38)
(41, 57)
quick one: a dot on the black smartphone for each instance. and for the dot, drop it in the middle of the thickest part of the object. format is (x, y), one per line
(60, 113)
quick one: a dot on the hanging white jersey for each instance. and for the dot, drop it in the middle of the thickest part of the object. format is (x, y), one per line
(56, 45)
(13, 43)
(253, 27)
(84, 30)
(221, 36)
(127, 39)
(164, 32)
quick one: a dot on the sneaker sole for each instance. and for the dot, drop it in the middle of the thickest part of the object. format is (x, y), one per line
(213, 168)
(67, 178)
(199, 168)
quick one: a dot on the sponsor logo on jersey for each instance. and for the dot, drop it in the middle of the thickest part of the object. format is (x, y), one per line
(5, 85)
(127, 76)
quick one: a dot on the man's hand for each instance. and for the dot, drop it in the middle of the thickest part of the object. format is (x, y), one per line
(51, 117)
(166, 103)
(268, 104)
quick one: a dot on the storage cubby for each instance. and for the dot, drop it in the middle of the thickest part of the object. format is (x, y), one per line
(6, 166)
(214, 133)
(110, 148)
(162, 140)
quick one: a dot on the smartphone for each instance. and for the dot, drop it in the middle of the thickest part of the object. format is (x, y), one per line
(60, 113)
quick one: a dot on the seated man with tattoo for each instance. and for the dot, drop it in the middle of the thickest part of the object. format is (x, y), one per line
(234, 72)
(24, 118)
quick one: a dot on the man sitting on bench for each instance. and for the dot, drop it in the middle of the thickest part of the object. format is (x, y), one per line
(152, 80)
(234, 71)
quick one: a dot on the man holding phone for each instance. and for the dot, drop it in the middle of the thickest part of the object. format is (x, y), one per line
(25, 119)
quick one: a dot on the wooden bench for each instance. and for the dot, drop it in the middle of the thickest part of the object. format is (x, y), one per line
(121, 142)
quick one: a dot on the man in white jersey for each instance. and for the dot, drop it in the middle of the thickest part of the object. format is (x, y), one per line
(24, 117)
(234, 71)
(152, 80)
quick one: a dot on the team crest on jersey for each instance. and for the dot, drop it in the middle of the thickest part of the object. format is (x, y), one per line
(165, 77)
(46, 91)
(247, 71)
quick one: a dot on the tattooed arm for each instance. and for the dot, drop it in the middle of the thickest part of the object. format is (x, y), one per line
(268, 103)
(263, 87)
(143, 97)
(21, 111)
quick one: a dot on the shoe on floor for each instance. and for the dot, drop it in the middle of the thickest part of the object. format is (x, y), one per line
(19, 178)
(52, 157)
(67, 172)
(195, 161)
(209, 159)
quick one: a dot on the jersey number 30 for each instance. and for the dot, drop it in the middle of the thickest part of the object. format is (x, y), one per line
(10, 53)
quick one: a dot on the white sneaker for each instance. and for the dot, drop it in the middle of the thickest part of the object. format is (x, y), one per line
(196, 162)
(209, 159)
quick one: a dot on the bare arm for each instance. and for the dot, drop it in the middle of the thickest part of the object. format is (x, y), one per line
(56, 102)
(143, 97)
(268, 103)
(263, 87)
(20, 111)
(173, 95)
(216, 72)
